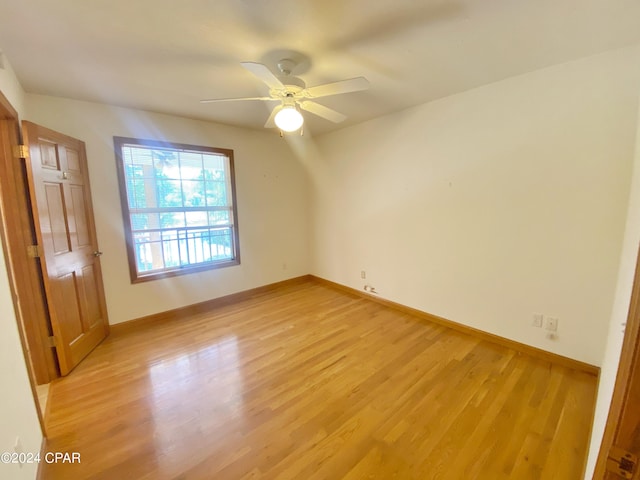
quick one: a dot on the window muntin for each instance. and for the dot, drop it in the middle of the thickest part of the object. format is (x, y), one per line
(178, 204)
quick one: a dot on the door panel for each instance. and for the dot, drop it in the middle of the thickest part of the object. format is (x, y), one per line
(80, 217)
(72, 326)
(73, 161)
(91, 301)
(56, 223)
(48, 155)
(61, 198)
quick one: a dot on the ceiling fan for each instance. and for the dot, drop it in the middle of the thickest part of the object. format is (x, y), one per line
(293, 95)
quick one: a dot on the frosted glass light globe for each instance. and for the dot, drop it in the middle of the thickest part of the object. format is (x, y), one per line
(289, 119)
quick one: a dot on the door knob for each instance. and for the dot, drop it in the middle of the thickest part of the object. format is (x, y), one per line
(97, 253)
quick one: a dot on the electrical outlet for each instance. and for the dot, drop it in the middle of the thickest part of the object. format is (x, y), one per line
(537, 320)
(363, 274)
(551, 324)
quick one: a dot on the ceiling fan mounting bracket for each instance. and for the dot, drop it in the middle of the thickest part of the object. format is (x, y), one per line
(286, 66)
(299, 63)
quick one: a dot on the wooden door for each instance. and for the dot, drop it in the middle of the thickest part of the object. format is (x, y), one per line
(17, 231)
(620, 448)
(69, 255)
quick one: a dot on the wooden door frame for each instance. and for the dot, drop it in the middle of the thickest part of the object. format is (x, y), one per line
(629, 358)
(25, 281)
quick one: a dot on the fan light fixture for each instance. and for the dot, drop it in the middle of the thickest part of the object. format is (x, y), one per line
(293, 95)
(289, 119)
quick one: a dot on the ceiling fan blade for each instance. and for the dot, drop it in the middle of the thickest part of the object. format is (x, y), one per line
(344, 86)
(271, 123)
(322, 111)
(240, 99)
(264, 74)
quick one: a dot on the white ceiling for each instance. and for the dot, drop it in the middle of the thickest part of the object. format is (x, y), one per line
(165, 55)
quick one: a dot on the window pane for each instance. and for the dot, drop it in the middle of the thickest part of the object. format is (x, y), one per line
(214, 171)
(220, 217)
(169, 220)
(221, 243)
(216, 194)
(193, 193)
(171, 249)
(197, 219)
(135, 185)
(148, 250)
(191, 165)
(169, 193)
(138, 156)
(164, 162)
(144, 221)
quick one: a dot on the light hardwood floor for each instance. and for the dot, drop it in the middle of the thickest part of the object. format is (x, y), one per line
(308, 382)
(42, 392)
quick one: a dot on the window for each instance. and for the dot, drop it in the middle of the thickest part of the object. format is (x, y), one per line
(178, 206)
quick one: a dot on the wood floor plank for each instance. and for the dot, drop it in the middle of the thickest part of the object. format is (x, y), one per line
(311, 382)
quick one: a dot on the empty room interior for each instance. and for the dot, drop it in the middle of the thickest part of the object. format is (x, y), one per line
(319, 240)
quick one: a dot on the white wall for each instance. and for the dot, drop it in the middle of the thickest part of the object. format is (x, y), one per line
(18, 417)
(619, 314)
(271, 190)
(490, 205)
(10, 86)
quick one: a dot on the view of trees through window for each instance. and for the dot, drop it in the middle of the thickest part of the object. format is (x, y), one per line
(179, 206)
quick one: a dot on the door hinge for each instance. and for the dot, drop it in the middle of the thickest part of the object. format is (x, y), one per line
(621, 463)
(21, 151)
(51, 341)
(33, 251)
